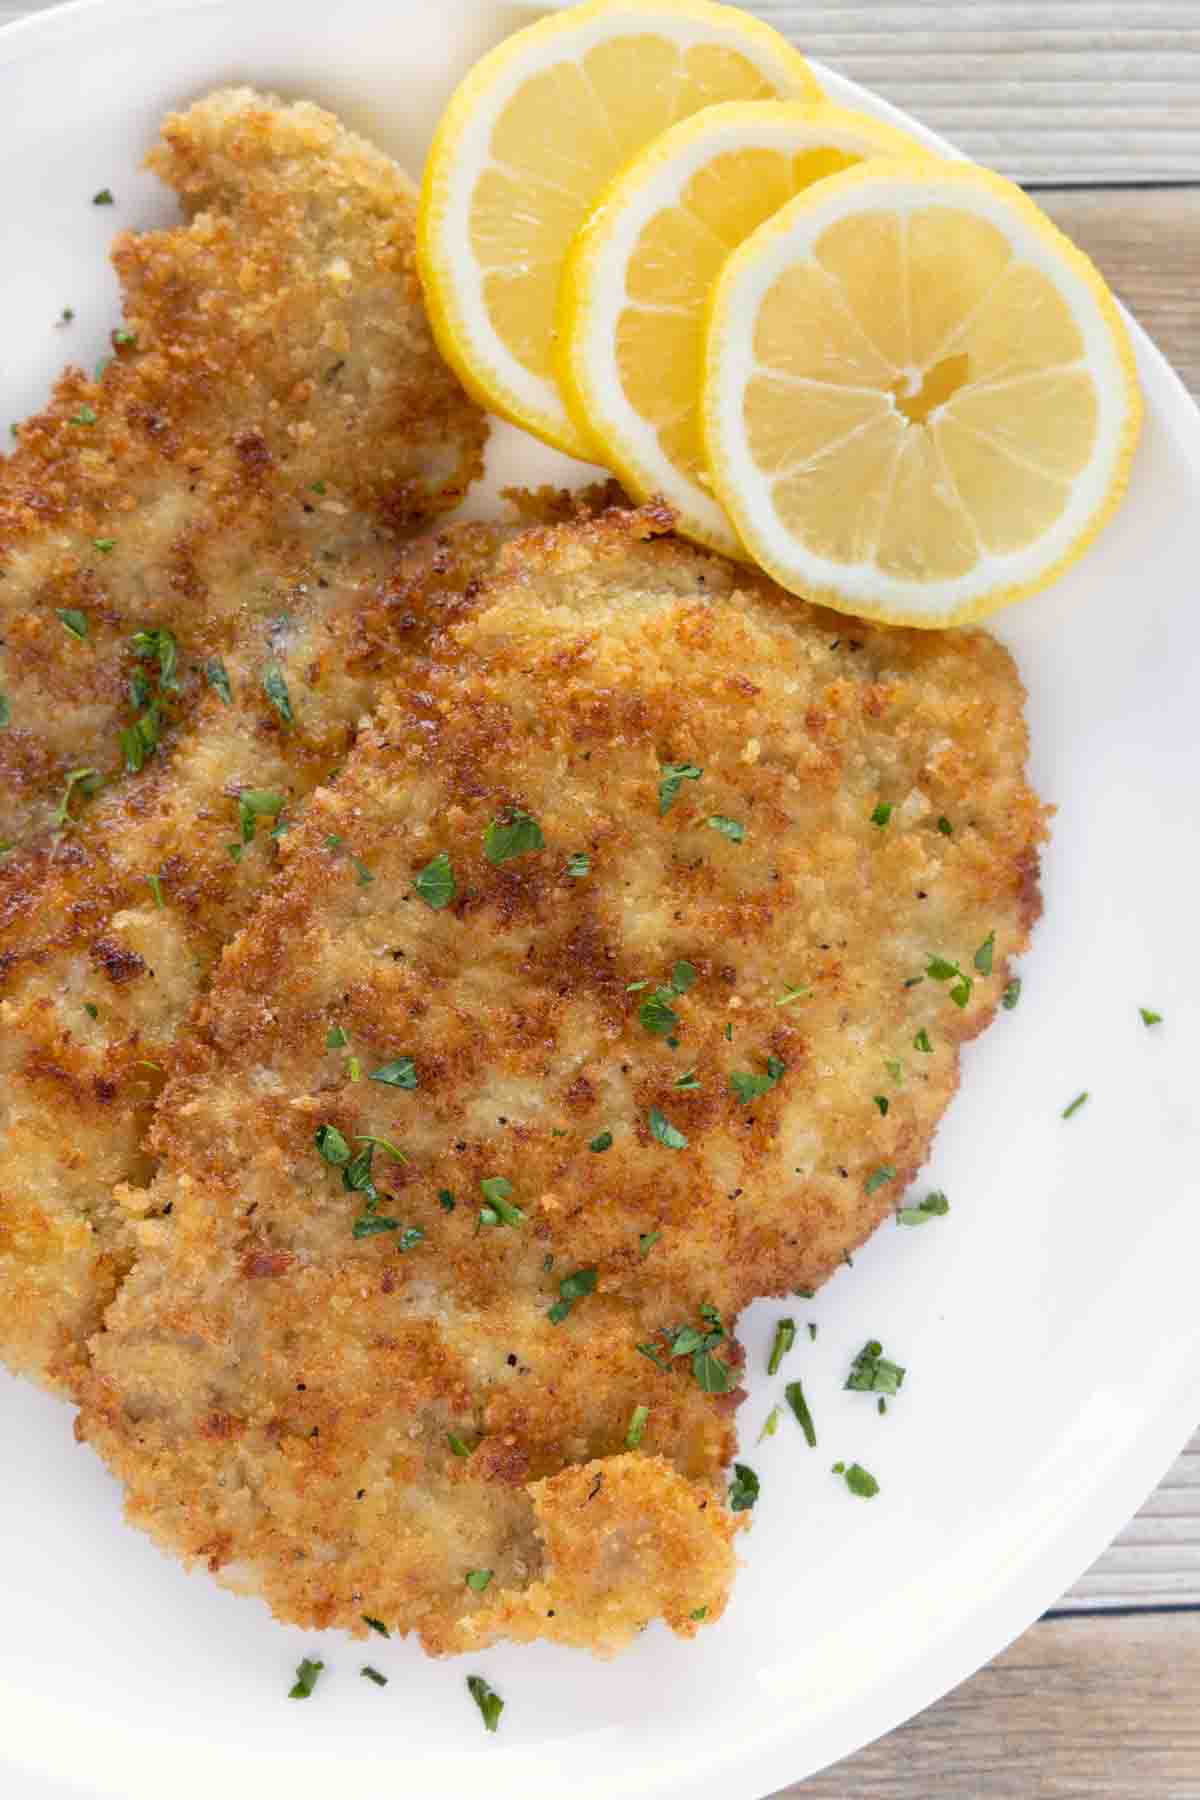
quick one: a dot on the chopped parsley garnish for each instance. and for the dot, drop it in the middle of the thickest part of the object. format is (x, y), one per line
(1077, 1102)
(276, 690)
(124, 336)
(646, 1243)
(218, 677)
(515, 836)
(689, 1083)
(785, 1337)
(771, 1423)
(446, 1200)
(373, 1675)
(1011, 994)
(712, 1374)
(793, 1393)
(579, 864)
(701, 1612)
(921, 1042)
(104, 545)
(103, 198)
(477, 1579)
(5, 711)
(336, 1038)
(665, 1132)
(254, 804)
(743, 1489)
(857, 1480)
(732, 829)
(895, 1071)
(883, 1103)
(93, 1012)
(603, 1141)
(73, 622)
(879, 1177)
(945, 827)
(88, 781)
(384, 1144)
(572, 1288)
(812, 1330)
(682, 976)
(86, 414)
(435, 882)
(791, 994)
(499, 1209)
(139, 740)
(729, 1033)
(376, 1625)
(938, 969)
(307, 1675)
(159, 645)
(489, 1702)
(882, 814)
(749, 1087)
(1148, 1017)
(805, 1293)
(671, 777)
(637, 1427)
(154, 883)
(933, 1206)
(635, 987)
(983, 956)
(657, 1014)
(872, 1373)
(354, 1068)
(331, 1145)
(400, 1074)
(457, 1446)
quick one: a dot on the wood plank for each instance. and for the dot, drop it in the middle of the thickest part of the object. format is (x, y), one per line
(1147, 245)
(1057, 91)
(1156, 1559)
(1077, 1709)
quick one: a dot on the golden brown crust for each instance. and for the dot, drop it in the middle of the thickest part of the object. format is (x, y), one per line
(601, 650)
(211, 436)
(279, 342)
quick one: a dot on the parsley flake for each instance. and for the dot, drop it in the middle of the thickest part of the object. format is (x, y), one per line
(1011, 994)
(732, 829)
(572, 1288)
(446, 1200)
(307, 1675)
(497, 1190)
(665, 1132)
(218, 677)
(793, 1393)
(872, 1373)
(857, 1480)
(154, 883)
(657, 1015)
(375, 1624)
(457, 1446)
(103, 198)
(983, 956)
(336, 1038)
(400, 1074)
(882, 814)
(770, 1423)
(670, 779)
(602, 1142)
(579, 864)
(921, 1042)
(878, 1178)
(384, 1144)
(124, 336)
(88, 781)
(486, 1699)
(646, 1243)
(1148, 1017)
(682, 976)
(701, 1612)
(1077, 1102)
(435, 882)
(276, 690)
(517, 835)
(933, 1206)
(743, 1489)
(749, 1087)
(883, 1103)
(331, 1145)
(895, 1071)
(104, 545)
(785, 1337)
(86, 414)
(945, 827)
(5, 711)
(477, 1579)
(939, 969)
(792, 994)
(73, 622)
(255, 804)
(637, 1427)
(159, 645)
(689, 1083)
(373, 1675)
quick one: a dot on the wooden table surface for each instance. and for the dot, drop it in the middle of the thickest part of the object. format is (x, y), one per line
(1095, 105)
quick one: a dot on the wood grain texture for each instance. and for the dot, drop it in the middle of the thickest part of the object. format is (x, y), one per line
(1043, 90)
(1077, 1709)
(1156, 1559)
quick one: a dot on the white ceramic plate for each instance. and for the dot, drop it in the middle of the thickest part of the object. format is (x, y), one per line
(1049, 1324)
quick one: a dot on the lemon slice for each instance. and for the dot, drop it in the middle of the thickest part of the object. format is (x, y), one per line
(529, 141)
(630, 344)
(920, 399)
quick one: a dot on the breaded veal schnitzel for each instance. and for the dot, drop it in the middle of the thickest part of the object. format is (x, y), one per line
(203, 577)
(620, 977)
